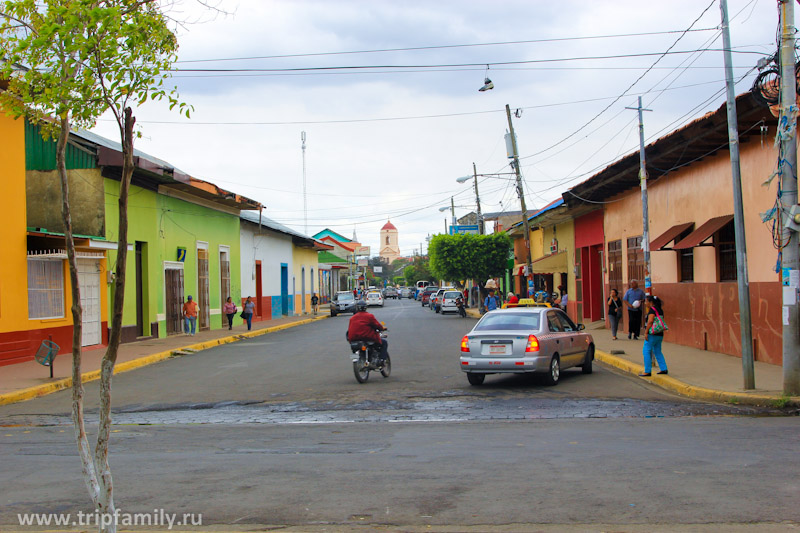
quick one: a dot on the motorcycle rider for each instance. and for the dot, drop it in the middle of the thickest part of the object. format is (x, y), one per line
(364, 326)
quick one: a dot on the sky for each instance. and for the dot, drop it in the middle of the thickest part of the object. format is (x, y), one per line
(387, 95)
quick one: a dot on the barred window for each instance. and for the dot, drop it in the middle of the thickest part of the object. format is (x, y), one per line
(615, 264)
(726, 252)
(45, 288)
(635, 259)
(685, 259)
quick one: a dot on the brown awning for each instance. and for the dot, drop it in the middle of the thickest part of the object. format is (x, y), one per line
(702, 233)
(669, 235)
(550, 264)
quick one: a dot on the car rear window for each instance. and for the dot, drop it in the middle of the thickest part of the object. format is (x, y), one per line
(452, 295)
(509, 321)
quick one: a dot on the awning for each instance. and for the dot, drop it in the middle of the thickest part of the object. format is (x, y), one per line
(669, 236)
(519, 270)
(550, 264)
(702, 233)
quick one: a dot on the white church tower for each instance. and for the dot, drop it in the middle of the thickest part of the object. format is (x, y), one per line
(390, 250)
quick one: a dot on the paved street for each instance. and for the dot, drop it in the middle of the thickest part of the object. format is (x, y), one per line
(276, 431)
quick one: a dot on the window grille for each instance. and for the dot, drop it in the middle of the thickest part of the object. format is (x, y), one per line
(45, 288)
(726, 252)
(635, 259)
(615, 264)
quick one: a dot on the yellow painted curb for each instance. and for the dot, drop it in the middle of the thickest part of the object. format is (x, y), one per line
(65, 383)
(692, 391)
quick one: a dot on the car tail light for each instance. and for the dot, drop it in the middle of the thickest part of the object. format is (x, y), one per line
(533, 344)
(465, 344)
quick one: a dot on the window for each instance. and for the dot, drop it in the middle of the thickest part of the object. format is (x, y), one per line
(685, 259)
(554, 322)
(725, 241)
(635, 259)
(509, 321)
(387, 239)
(45, 288)
(615, 264)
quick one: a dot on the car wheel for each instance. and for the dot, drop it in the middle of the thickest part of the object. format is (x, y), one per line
(333, 313)
(554, 373)
(475, 379)
(587, 363)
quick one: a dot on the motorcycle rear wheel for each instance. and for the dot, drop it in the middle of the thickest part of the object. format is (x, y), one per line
(361, 371)
(387, 367)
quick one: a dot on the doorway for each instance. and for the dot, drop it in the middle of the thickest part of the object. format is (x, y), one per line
(140, 289)
(259, 294)
(173, 285)
(203, 304)
(284, 289)
(303, 290)
(89, 282)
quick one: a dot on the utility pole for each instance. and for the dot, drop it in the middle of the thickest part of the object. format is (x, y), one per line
(790, 256)
(478, 200)
(453, 210)
(738, 209)
(521, 193)
(305, 201)
(648, 284)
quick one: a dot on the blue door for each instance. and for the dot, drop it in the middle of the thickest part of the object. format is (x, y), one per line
(284, 289)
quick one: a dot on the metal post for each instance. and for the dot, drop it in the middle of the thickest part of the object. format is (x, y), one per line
(453, 210)
(478, 200)
(790, 257)
(305, 201)
(521, 193)
(648, 284)
(738, 209)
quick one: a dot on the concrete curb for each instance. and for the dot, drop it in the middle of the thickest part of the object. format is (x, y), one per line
(65, 383)
(699, 393)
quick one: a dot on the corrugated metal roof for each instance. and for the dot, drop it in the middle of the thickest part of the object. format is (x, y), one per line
(253, 216)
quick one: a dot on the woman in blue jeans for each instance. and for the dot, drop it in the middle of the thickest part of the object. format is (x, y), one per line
(652, 341)
(248, 310)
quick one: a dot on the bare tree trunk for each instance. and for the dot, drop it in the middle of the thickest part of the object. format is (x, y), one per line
(77, 318)
(106, 486)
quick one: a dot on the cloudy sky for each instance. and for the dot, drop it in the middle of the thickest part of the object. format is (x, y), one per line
(387, 95)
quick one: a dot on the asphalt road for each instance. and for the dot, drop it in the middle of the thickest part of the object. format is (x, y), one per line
(275, 431)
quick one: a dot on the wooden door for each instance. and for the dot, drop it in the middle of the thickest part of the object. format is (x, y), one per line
(203, 304)
(174, 293)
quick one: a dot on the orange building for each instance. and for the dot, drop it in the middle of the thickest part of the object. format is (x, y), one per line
(693, 255)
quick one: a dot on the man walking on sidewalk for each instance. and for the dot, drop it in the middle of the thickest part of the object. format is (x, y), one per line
(189, 316)
(634, 298)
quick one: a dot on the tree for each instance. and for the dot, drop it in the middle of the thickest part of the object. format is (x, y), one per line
(461, 257)
(418, 271)
(85, 57)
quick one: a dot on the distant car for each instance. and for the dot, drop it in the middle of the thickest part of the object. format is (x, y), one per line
(374, 298)
(390, 292)
(343, 302)
(436, 299)
(425, 295)
(448, 303)
(525, 339)
(405, 292)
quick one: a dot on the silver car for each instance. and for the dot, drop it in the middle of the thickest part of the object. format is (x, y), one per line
(525, 339)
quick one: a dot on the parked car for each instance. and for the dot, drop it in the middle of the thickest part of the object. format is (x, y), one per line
(374, 298)
(525, 339)
(343, 302)
(436, 299)
(390, 292)
(408, 292)
(425, 295)
(448, 303)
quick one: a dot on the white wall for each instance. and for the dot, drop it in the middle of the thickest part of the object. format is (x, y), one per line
(271, 249)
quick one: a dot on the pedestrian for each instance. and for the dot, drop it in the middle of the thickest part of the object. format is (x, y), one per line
(230, 310)
(614, 312)
(512, 299)
(189, 316)
(634, 299)
(491, 302)
(654, 336)
(247, 312)
(564, 299)
(466, 297)
(315, 303)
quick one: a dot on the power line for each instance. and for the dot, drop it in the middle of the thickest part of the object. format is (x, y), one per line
(461, 65)
(439, 47)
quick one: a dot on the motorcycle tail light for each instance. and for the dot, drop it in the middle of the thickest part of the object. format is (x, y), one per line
(465, 344)
(533, 344)
(363, 348)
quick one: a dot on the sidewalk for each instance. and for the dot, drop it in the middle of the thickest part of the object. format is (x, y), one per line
(28, 380)
(695, 373)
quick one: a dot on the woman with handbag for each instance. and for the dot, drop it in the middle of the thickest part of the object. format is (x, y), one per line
(247, 312)
(614, 312)
(654, 335)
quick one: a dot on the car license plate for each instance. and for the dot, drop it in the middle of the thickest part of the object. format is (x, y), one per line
(497, 349)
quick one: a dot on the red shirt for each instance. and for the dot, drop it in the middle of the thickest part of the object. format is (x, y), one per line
(513, 299)
(364, 327)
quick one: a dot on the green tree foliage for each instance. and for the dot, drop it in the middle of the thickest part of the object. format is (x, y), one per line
(461, 257)
(419, 270)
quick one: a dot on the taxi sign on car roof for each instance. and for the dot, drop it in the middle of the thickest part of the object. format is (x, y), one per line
(527, 302)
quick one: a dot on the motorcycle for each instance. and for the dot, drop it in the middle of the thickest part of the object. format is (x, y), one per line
(460, 306)
(366, 358)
